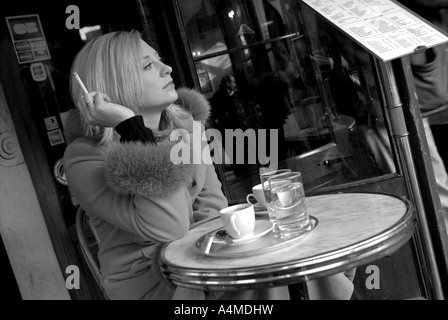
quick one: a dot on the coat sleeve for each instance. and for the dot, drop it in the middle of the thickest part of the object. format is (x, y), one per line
(431, 79)
(150, 217)
(210, 199)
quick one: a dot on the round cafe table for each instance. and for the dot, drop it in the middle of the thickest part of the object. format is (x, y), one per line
(353, 229)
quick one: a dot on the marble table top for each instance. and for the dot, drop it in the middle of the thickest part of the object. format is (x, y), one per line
(353, 229)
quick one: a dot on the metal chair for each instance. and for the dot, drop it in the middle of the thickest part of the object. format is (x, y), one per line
(88, 242)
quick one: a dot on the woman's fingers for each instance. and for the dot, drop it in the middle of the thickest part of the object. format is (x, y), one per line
(97, 110)
(87, 107)
(101, 98)
(89, 98)
(86, 100)
(86, 112)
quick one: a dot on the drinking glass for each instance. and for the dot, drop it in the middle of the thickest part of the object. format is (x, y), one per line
(267, 194)
(288, 204)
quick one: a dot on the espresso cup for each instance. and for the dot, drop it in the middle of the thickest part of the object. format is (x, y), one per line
(238, 220)
(258, 194)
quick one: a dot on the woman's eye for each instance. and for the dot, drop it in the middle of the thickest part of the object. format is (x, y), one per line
(149, 65)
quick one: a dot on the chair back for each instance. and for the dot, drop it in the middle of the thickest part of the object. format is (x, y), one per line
(88, 242)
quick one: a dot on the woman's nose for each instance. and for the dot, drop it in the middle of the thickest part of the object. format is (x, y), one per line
(166, 70)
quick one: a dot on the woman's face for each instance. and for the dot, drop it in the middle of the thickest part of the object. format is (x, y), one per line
(158, 87)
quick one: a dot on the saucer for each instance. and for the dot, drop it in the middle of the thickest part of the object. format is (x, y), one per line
(259, 209)
(209, 246)
(261, 228)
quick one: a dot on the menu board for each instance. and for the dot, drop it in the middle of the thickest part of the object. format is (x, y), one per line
(28, 37)
(383, 27)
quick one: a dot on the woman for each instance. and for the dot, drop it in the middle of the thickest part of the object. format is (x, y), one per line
(136, 198)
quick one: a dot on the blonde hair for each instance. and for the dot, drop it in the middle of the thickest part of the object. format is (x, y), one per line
(110, 64)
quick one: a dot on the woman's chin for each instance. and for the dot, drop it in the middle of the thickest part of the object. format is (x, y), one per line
(175, 95)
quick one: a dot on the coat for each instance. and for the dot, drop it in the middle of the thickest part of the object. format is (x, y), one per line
(137, 200)
(431, 78)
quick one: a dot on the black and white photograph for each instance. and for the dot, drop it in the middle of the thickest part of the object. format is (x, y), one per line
(227, 157)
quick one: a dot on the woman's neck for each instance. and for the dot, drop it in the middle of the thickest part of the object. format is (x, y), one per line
(152, 117)
(152, 120)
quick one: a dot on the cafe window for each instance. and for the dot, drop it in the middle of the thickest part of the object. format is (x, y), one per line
(266, 65)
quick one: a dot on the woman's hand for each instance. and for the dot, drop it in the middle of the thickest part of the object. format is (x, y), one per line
(99, 111)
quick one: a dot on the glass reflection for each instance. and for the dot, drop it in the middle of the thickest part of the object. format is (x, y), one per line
(276, 66)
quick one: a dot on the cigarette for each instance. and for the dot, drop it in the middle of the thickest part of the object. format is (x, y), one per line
(83, 87)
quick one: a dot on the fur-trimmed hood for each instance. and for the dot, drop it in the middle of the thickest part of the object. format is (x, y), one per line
(145, 169)
(195, 103)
